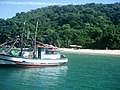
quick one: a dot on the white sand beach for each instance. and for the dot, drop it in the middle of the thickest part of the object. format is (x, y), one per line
(90, 51)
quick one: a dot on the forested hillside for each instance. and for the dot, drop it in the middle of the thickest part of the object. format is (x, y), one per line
(91, 25)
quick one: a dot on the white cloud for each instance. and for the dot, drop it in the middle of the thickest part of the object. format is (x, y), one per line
(29, 3)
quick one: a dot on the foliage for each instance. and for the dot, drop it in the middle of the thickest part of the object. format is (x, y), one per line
(90, 25)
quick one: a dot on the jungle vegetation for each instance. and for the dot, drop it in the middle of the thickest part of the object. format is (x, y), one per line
(95, 26)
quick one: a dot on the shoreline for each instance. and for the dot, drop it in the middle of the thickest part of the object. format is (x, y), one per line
(90, 51)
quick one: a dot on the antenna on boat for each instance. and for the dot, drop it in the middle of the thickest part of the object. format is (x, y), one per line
(35, 48)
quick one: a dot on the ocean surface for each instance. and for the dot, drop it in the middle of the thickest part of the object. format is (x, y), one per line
(82, 72)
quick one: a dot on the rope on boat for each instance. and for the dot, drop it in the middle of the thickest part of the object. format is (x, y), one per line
(12, 45)
(1, 45)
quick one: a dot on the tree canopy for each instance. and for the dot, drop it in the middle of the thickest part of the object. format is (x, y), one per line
(91, 25)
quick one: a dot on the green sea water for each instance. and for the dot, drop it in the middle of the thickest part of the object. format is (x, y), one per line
(82, 72)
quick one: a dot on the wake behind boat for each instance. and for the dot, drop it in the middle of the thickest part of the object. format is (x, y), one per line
(42, 55)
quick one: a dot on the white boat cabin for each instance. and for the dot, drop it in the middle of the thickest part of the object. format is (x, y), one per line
(47, 52)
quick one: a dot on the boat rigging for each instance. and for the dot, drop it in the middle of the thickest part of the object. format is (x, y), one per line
(42, 54)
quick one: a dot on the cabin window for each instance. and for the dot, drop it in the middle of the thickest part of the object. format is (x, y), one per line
(48, 52)
(51, 52)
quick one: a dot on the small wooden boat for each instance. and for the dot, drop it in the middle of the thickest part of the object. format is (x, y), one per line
(41, 56)
(45, 56)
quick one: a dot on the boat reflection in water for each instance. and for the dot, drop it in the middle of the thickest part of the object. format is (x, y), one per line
(37, 77)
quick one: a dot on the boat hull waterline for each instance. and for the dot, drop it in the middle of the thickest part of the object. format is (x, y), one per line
(31, 62)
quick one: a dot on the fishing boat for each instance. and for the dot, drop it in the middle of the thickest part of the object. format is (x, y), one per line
(41, 56)
(45, 56)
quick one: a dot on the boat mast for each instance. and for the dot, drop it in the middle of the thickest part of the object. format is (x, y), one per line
(35, 48)
(22, 38)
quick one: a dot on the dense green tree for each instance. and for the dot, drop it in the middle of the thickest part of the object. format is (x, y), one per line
(90, 25)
